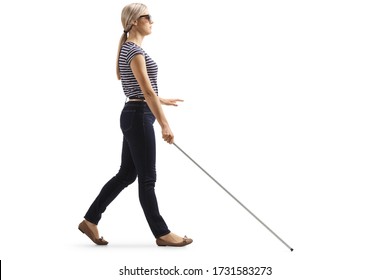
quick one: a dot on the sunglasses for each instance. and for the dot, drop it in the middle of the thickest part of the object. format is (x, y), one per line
(148, 17)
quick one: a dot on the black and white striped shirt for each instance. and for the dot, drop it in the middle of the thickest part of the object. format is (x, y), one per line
(130, 85)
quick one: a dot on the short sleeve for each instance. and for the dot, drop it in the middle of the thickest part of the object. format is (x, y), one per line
(132, 53)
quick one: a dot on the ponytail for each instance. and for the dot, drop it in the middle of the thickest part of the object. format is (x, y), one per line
(122, 40)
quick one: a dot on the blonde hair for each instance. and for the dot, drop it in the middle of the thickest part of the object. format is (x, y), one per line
(130, 13)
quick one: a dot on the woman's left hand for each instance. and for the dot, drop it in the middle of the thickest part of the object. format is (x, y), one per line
(170, 102)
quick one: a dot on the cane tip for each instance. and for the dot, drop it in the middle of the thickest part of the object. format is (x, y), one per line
(291, 249)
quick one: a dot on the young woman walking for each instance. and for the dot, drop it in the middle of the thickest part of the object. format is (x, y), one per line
(138, 74)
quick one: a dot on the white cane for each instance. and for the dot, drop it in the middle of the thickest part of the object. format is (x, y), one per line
(234, 197)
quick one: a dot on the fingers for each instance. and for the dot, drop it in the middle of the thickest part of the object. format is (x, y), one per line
(173, 102)
(168, 137)
(177, 100)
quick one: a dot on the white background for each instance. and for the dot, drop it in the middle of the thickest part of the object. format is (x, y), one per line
(286, 105)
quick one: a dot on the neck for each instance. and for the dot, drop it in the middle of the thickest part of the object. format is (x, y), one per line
(136, 38)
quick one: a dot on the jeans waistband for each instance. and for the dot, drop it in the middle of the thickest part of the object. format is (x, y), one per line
(137, 105)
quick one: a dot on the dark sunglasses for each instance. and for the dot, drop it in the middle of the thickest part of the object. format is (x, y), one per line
(148, 17)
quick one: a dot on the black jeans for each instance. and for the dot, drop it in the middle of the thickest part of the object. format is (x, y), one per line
(138, 159)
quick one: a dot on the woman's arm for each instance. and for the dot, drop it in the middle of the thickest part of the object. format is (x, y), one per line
(138, 66)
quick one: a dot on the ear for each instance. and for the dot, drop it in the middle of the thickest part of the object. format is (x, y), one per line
(135, 22)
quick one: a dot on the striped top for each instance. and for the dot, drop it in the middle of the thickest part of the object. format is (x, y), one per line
(130, 85)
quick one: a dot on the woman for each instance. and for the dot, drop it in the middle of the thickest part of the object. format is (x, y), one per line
(138, 74)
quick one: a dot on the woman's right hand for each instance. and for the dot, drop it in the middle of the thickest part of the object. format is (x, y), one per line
(167, 134)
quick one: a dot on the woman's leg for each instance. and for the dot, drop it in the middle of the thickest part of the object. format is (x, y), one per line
(126, 175)
(141, 140)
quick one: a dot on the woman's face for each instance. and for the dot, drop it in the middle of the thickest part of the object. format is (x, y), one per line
(144, 23)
